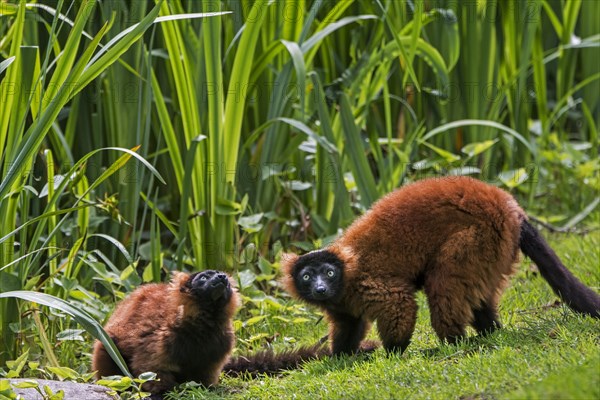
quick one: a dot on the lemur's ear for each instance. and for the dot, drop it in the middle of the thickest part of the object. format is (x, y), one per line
(179, 281)
(288, 260)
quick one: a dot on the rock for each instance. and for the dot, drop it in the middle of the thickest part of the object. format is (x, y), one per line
(73, 390)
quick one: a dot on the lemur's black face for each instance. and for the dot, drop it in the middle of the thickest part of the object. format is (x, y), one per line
(210, 287)
(318, 276)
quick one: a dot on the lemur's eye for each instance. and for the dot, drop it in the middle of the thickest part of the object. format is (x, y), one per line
(330, 273)
(305, 277)
(203, 278)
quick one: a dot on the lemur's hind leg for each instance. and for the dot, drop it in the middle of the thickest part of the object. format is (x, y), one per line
(485, 318)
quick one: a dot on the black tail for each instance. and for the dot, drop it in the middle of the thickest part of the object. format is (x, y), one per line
(271, 363)
(575, 294)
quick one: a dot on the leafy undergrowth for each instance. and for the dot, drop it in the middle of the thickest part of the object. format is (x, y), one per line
(544, 351)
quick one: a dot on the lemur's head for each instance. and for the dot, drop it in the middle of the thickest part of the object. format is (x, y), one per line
(316, 277)
(209, 287)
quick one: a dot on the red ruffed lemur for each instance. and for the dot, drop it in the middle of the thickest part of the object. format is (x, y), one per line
(456, 238)
(182, 330)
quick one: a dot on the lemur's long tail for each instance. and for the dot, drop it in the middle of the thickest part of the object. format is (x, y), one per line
(575, 294)
(271, 363)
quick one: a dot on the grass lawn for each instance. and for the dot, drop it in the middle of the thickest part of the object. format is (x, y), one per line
(541, 353)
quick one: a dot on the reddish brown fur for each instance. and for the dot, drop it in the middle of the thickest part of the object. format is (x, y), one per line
(457, 238)
(157, 321)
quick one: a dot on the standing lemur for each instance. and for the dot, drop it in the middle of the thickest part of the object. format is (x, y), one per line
(456, 238)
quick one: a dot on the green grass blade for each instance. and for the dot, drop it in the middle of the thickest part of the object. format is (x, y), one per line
(298, 60)
(7, 95)
(235, 107)
(558, 108)
(69, 50)
(311, 44)
(122, 249)
(539, 77)
(583, 214)
(168, 131)
(6, 63)
(406, 59)
(330, 173)
(220, 224)
(163, 218)
(36, 132)
(185, 211)
(356, 156)
(114, 49)
(475, 122)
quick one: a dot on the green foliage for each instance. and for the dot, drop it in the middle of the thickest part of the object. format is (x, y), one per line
(126, 387)
(22, 367)
(45, 392)
(138, 138)
(82, 318)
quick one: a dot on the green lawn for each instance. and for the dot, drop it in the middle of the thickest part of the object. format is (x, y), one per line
(542, 352)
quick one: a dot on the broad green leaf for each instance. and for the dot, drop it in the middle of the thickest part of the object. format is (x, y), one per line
(63, 373)
(514, 177)
(26, 384)
(17, 365)
(228, 207)
(246, 279)
(168, 131)
(446, 155)
(36, 132)
(254, 320)
(70, 334)
(123, 383)
(473, 149)
(147, 376)
(185, 210)
(251, 223)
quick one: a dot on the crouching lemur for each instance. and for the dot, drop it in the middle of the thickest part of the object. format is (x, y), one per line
(183, 332)
(456, 238)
